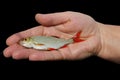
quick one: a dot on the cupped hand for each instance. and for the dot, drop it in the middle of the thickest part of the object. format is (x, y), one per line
(63, 25)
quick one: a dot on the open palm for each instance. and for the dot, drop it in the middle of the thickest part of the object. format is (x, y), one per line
(64, 25)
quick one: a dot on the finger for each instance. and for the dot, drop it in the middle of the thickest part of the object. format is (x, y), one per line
(10, 50)
(45, 55)
(27, 33)
(22, 54)
(52, 19)
(40, 30)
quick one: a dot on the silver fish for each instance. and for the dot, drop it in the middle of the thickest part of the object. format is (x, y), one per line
(45, 42)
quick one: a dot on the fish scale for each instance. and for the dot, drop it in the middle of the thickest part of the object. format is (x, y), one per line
(45, 42)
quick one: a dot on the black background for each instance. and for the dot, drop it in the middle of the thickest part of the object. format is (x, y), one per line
(19, 15)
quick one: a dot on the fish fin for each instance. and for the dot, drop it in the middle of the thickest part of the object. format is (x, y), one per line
(76, 38)
(56, 36)
(64, 46)
(51, 49)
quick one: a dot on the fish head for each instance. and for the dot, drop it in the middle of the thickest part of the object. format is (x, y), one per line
(31, 43)
(27, 42)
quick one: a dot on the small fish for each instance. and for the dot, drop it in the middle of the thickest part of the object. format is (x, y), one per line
(47, 42)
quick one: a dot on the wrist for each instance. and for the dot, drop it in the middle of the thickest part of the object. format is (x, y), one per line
(110, 42)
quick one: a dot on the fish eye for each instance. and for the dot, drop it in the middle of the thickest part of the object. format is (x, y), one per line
(26, 39)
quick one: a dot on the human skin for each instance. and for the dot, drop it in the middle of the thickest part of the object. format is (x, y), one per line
(100, 39)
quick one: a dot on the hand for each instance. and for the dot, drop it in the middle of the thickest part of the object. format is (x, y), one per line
(64, 25)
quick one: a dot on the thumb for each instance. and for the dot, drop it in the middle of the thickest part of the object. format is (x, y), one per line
(52, 19)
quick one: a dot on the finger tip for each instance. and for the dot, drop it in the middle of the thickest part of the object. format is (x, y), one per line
(8, 41)
(6, 53)
(38, 15)
(12, 39)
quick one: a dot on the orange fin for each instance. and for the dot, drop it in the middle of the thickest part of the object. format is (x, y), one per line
(64, 46)
(76, 38)
(51, 49)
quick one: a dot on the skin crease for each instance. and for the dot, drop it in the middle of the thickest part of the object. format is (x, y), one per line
(101, 40)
